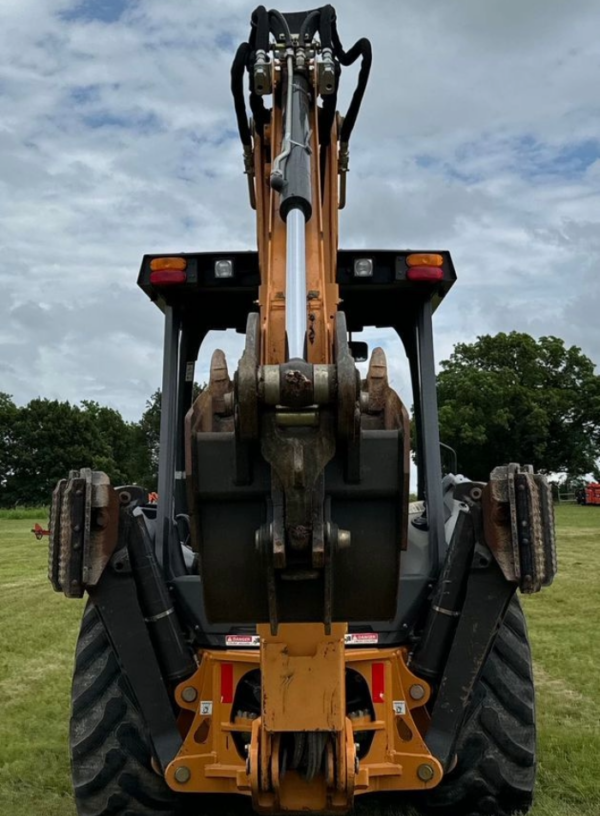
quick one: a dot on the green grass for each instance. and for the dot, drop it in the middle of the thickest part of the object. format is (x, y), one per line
(38, 513)
(38, 637)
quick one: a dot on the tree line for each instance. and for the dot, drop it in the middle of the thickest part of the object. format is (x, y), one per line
(503, 398)
(42, 441)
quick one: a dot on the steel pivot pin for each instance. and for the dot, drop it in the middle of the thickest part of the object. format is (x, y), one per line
(183, 774)
(425, 773)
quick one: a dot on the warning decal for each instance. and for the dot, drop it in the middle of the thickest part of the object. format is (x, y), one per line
(242, 641)
(361, 638)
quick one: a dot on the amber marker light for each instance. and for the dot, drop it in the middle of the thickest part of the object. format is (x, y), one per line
(424, 259)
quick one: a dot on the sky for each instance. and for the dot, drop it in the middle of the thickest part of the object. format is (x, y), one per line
(479, 133)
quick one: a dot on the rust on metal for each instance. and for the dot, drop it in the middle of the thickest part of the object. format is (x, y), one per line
(383, 409)
(84, 522)
(518, 520)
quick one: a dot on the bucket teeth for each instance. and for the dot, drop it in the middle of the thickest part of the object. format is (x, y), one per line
(377, 381)
(219, 382)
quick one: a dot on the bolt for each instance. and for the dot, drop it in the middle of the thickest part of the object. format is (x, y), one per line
(425, 773)
(183, 774)
(417, 691)
(189, 694)
(344, 539)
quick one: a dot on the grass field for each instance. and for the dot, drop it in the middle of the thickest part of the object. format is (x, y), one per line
(38, 630)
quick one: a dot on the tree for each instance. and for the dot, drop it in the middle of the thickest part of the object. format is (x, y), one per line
(49, 438)
(149, 434)
(149, 428)
(8, 414)
(42, 441)
(511, 398)
(126, 458)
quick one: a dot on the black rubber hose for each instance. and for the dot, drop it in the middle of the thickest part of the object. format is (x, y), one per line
(283, 23)
(431, 654)
(361, 48)
(326, 19)
(260, 24)
(327, 117)
(173, 651)
(237, 89)
(261, 114)
(309, 26)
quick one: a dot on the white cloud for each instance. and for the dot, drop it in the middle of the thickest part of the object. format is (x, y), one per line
(479, 134)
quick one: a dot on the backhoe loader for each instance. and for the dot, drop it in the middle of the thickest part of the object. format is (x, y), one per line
(283, 631)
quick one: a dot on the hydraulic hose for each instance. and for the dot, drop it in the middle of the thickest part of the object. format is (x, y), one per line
(277, 15)
(308, 24)
(237, 89)
(260, 33)
(361, 48)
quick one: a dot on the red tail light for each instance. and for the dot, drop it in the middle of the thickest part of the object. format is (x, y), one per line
(167, 277)
(425, 273)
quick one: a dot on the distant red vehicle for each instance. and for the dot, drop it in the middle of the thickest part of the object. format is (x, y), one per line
(39, 531)
(590, 494)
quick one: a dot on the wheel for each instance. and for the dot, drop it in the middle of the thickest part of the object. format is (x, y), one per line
(110, 756)
(496, 767)
(111, 759)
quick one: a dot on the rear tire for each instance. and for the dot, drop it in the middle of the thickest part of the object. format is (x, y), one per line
(495, 773)
(110, 750)
(110, 755)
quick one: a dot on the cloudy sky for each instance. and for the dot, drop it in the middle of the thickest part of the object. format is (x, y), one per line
(480, 133)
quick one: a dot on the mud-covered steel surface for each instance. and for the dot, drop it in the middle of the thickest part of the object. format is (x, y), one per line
(486, 600)
(298, 457)
(384, 408)
(519, 526)
(348, 414)
(247, 421)
(297, 384)
(72, 537)
(54, 535)
(84, 523)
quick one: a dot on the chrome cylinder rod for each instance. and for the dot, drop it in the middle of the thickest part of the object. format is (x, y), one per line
(295, 283)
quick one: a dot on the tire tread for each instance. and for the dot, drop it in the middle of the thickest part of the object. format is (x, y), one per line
(495, 774)
(110, 758)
